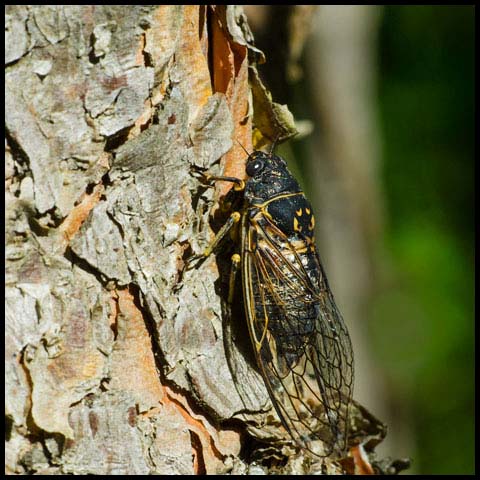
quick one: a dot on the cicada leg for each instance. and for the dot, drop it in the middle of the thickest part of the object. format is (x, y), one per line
(234, 218)
(233, 275)
(238, 186)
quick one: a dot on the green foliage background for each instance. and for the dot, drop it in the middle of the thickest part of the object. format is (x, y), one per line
(426, 98)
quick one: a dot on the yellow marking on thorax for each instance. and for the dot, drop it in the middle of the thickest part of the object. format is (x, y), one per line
(278, 197)
(265, 212)
(299, 213)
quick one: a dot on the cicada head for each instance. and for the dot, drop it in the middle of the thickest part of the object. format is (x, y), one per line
(268, 177)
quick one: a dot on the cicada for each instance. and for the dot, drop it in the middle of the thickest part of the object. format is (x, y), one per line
(301, 344)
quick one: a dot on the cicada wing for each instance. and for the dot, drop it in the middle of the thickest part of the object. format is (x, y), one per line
(301, 343)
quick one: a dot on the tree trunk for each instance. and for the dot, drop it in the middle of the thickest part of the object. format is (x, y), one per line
(115, 354)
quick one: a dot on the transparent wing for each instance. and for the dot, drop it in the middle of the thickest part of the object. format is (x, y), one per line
(301, 342)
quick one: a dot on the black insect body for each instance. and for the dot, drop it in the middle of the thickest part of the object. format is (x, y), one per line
(301, 343)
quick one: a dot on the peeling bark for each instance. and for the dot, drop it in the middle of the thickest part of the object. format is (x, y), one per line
(116, 360)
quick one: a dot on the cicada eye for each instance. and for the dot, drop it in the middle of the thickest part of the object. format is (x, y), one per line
(255, 167)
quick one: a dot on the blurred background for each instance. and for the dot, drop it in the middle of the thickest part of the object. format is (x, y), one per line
(384, 101)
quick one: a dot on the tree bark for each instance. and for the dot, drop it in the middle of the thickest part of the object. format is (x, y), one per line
(115, 354)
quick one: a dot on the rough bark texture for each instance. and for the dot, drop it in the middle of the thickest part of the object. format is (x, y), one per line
(115, 354)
